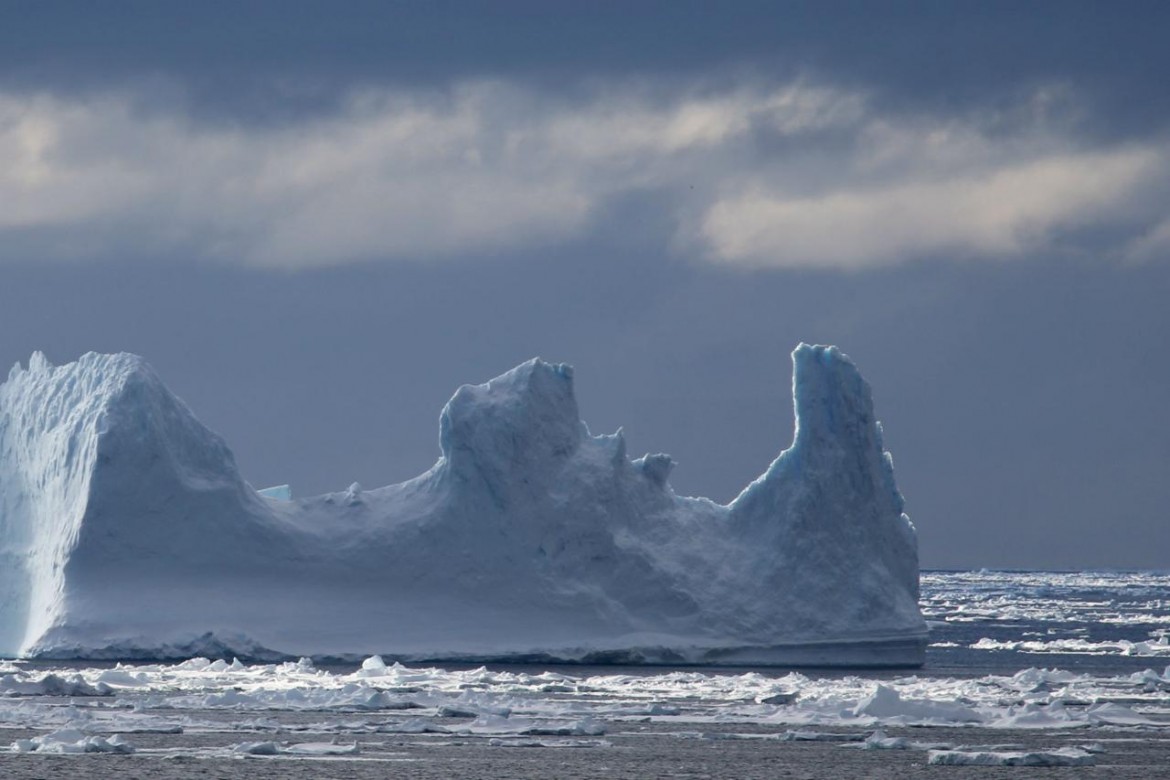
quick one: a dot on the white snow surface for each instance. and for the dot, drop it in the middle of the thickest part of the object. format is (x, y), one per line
(127, 531)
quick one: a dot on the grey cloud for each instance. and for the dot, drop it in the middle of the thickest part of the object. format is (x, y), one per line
(916, 52)
(1004, 211)
(755, 174)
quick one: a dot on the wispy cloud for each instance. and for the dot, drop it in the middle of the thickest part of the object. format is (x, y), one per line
(789, 175)
(1001, 211)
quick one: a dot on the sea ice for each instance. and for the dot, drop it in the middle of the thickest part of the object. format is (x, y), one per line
(72, 741)
(269, 748)
(205, 697)
(885, 703)
(1055, 757)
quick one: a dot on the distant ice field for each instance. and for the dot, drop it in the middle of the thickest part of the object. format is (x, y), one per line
(992, 621)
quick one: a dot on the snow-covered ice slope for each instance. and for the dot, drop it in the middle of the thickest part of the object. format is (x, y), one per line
(127, 531)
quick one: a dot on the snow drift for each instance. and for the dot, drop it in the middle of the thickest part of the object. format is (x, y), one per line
(127, 531)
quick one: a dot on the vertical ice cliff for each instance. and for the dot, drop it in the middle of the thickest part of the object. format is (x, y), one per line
(105, 477)
(127, 531)
(48, 442)
(830, 510)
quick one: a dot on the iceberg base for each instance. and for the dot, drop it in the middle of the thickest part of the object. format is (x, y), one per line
(896, 652)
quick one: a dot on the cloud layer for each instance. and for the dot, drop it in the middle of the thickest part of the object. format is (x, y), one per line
(755, 175)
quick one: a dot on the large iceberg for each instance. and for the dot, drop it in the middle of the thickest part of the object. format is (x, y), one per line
(127, 531)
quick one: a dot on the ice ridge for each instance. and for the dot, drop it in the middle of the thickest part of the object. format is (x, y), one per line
(126, 529)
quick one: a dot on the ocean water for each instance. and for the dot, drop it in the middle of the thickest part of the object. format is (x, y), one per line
(1000, 621)
(1048, 667)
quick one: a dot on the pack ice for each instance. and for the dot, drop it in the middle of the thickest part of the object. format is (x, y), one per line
(127, 531)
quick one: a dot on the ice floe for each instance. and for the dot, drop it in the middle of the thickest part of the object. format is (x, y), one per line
(482, 702)
(72, 741)
(1054, 757)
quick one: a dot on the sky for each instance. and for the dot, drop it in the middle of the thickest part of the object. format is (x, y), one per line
(317, 220)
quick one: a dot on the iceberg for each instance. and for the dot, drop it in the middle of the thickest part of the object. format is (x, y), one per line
(128, 532)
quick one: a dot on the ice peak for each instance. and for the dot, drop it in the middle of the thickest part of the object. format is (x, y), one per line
(656, 467)
(837, 435)
(524, 415)
(529, 376)
(832, 401)
(93, 376)
(37, 362)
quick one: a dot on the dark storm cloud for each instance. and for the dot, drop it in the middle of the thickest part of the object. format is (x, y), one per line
(945, 54)
(308, 134)
(755, 173)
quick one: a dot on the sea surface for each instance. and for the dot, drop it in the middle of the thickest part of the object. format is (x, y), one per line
(1029, 671)
(992, 622)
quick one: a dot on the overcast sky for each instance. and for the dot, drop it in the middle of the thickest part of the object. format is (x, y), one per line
(316, 220)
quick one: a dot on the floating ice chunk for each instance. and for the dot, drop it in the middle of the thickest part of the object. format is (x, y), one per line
(1056, 757)
(72, 741)
(197, 664)
(124, 678)
(303, 665)
(804, 735)
(51, 684)
(373, 666)
(496, 724)
(377, 700)
(1125, 647)
(1114, 714)
(778, 699)
(879, 741)
(549, 743)
(886, 703)
(1032, 680)
(412, 726)
(320, 749)
(1037, 716)
(718, 736)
